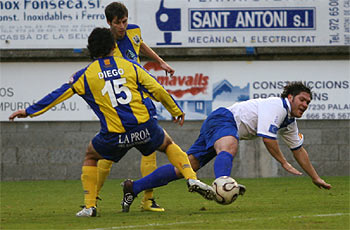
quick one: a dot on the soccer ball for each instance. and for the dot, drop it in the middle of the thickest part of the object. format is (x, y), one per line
(226, 189)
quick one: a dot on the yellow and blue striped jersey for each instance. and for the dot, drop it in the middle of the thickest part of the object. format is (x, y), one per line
(129, 46)
(114, 88)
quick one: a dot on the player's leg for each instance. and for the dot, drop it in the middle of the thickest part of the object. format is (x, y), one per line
(180, 160)
(159, 177)
(103, 169)
(148, 165)
(89, 181)
(226, 148)
(162, 176)
(220, 136)
(177, 157)
(220, 133)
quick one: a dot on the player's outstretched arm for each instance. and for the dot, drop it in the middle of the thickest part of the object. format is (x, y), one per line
(19, 113)
(302, 158)
(273, 148)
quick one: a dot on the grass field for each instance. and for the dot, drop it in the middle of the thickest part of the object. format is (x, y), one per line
(269, 203)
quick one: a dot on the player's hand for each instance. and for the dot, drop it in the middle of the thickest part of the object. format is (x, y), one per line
(180, 119)
(289, 168)
(19, 113)
(167, 68)
(321, 184)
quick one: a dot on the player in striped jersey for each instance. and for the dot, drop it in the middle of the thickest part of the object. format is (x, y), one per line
(114, 88)
(129, 44)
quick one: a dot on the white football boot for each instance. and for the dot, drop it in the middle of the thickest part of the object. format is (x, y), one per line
(87, 212)
(203, 189)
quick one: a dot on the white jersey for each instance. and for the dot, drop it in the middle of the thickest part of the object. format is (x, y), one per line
(266, 118)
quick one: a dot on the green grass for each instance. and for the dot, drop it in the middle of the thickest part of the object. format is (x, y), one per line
(269, 203)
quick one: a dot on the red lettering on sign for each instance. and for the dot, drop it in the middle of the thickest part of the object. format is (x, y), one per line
(197, 83)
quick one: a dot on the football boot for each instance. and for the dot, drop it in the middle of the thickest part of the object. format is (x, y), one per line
(87, 212)
(199, 187)
(151, 205)
(129, 196)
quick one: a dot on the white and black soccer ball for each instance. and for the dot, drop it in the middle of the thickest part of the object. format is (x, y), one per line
(226, 189)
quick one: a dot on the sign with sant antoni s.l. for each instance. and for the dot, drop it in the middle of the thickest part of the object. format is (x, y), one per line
(52, 24)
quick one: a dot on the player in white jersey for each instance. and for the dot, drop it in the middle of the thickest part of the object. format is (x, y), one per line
(264, 117)
(224, 127)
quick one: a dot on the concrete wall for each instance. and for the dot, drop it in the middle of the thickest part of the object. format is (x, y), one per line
(55, 150)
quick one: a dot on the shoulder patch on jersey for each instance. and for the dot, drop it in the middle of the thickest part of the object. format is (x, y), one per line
(300, 136)
(273, 129)
(137, 39)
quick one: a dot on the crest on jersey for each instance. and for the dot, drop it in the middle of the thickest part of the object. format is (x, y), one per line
(107, 63)
(273, 129)
(131, 55)
(300, 136)
(136, 39)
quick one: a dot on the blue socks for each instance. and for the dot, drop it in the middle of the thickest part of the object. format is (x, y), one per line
(166, 173)
(223, 164)
(159, 177)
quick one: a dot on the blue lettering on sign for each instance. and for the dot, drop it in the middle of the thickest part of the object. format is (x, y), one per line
(252, 19)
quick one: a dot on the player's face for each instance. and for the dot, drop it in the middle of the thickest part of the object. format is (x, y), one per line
(299, 103)
(118, 27)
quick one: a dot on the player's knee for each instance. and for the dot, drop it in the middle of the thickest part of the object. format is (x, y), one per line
(91, 154)
(229, 146)
(229, 149)
(167, 141)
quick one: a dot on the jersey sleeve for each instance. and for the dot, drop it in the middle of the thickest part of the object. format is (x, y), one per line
(67, 90)
(50, 100)
(291, 136)
(270, 117)
(77, 82)
(157, 92)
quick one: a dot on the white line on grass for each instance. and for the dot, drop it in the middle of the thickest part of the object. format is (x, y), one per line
(323, 215)
(196, 222)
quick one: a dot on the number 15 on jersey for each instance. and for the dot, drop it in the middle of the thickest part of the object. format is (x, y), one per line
(114, 88)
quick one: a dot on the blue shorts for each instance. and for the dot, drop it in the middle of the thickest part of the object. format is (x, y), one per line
(146, 137)
(218, 124)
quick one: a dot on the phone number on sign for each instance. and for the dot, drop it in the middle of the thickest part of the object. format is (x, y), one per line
(315, 116)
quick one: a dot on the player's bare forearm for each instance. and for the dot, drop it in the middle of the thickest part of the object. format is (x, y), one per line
(302, 158)
(273, 148)
(147, 51)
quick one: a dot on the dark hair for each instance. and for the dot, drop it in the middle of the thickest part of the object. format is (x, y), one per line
(116, 9)
(100, 42)
(294, 88)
